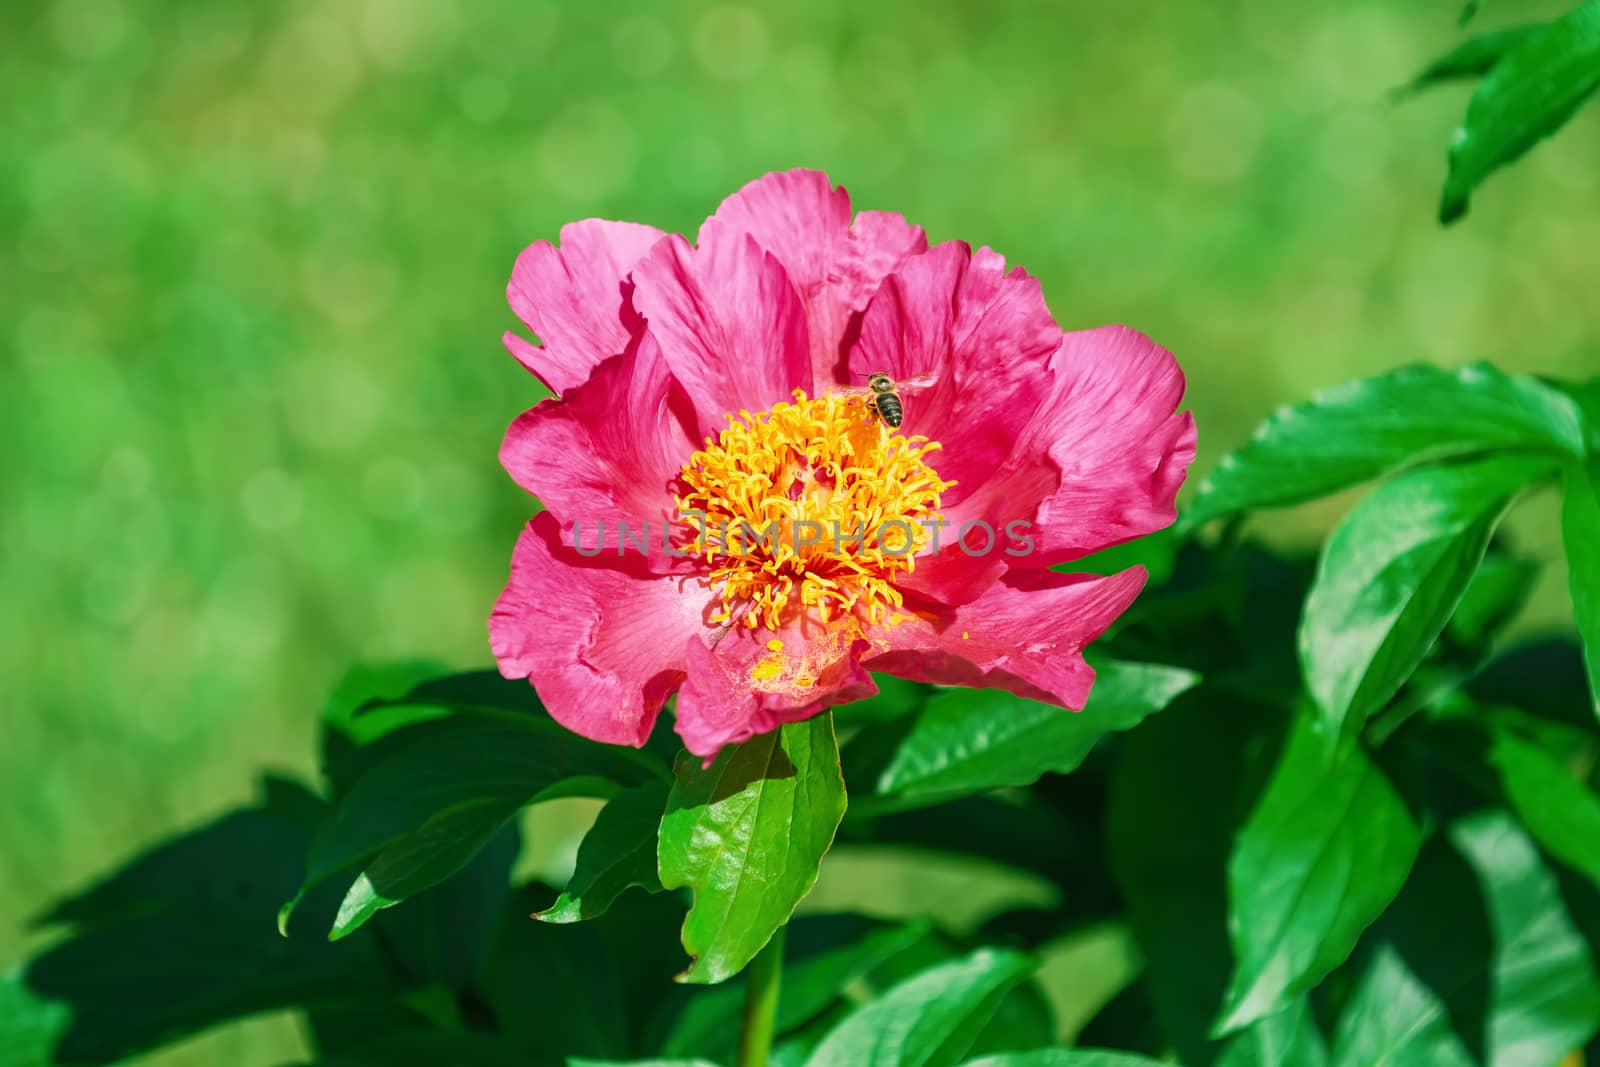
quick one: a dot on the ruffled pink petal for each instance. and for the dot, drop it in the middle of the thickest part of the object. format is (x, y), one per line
(835, 265)
(606, 454)
(730, 325)
(603, 645)
(740, 687)
(1025, 634)
(980, 335)
(574, 297)
(1111, 439)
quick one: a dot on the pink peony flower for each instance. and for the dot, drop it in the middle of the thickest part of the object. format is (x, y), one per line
(714, 390)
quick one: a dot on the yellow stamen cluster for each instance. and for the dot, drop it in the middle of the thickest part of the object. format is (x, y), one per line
(824, 469)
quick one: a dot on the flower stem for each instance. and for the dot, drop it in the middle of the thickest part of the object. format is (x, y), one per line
(761, 1003)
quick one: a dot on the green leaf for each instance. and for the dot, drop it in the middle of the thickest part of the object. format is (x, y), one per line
(426, 808)
(1580, 534)
(1530, 93)
(1325, 851)
(1492, 599)
(969, 741)
(181, 939)
(1066, 1057)
(929, 1020)
(812, 981)
(1358, 431)
(747, 835)
(639, 1063)
(1472, 57)
(617, 853)
(1552, 803)
(1289, 1037)
(1391, 575)
(1477, 962)
(418, 861)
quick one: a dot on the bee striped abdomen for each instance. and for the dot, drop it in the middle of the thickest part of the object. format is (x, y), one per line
(889, 408)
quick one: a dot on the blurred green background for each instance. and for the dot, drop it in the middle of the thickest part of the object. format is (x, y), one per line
(252, 268)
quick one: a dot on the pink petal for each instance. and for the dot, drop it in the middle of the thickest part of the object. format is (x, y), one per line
(730, 325)
(1110, 436)
(835, 265)
(1025, 634)
(729, 698)
(608, 452)
(574, 297)
(984, 337)
(603, 645)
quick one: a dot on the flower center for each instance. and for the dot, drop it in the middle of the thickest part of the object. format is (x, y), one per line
(814, 506)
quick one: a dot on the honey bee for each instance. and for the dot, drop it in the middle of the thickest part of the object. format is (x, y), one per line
(883, 395)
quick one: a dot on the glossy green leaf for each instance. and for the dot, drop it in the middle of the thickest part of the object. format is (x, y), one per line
(1580, 534)
(1358, 431)
(1479, 961)
(421, 860)
(747, 835)
(1560, 811)
(813, 980)
(1289, 1037)
(1531, 92)
(1391, 575)
(1067, 1057)
(425, 809)
(1324, 852)
(639, 1063)
(1497, 592)
(618, 853)
(1472, 58)
(968, 741)
(929, 1020)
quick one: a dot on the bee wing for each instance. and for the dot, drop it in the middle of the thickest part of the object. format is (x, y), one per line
(921, 383)
(849, 390)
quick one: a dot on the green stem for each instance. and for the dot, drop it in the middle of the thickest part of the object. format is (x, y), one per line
(761, 1003)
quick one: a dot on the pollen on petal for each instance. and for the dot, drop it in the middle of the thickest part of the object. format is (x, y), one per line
(769, 668)
(775, 645)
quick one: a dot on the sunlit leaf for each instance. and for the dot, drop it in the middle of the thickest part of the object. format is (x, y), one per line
(423, 811)
(968, 741)
(930, 1020)
(1472, 57)
(1324, 852)
(1067, 1057)
(618, 853)
(1358, 431)
(1554, 806)
(1531, 92)
(747, 835)
(1479, 961)
(1580, 534)
(1391, 575)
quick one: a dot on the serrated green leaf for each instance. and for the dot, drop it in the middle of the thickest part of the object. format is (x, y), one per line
(1479, 961)
(1531, 92)
(1324, 852)
(1067, 1057)
(970, 741)
(929, 1020)
(1361, 430)
(1553, 805)
(747, 835)
(618, 853)
(424, 809)
(1391, 575)
(1471, 57)
(1580, 535)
